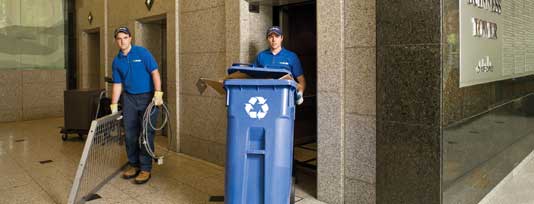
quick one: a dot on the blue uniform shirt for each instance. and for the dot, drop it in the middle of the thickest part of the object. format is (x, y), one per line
(134, 70)
(285, 59)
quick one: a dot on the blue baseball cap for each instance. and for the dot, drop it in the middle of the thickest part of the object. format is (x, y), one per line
(124, 30)
(274, 29)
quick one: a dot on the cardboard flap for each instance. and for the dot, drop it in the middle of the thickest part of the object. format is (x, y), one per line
(287, 77)
(217, 85)
(237, 75)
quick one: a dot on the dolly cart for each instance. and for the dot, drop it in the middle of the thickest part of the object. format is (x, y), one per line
(81, 106)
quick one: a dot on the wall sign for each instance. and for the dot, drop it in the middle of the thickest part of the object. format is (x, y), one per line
(496, 40)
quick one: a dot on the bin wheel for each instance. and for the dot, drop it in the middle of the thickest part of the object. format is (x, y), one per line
(64, 136)
(292, 196)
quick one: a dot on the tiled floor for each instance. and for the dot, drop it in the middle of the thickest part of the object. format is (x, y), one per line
(23, 179)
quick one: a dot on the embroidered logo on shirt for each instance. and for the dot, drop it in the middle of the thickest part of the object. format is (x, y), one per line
(136, 60)
(286, 63)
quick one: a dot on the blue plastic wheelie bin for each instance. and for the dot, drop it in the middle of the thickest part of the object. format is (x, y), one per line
(261, 113)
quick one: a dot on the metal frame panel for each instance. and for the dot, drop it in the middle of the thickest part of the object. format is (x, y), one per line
(103, 157)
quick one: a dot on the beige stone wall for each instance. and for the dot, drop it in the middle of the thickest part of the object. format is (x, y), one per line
(214, 34)
(253, 27)
(31, 94)
(346, 73)
(360, 101)
(203, 28)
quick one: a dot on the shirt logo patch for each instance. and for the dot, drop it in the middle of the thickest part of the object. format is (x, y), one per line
(136, 60)
(286, 63)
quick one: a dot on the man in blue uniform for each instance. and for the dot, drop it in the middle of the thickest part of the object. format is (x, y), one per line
(279, 57)
(136, 77)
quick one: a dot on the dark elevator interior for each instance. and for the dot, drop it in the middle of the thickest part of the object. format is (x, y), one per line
(298, 22)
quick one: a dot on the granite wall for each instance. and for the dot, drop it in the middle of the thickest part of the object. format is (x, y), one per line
(436, 142)
(203, 29)
(252, 28)
(330, 101)
(408, 142)
(214, 34)
(487, 128)
(30, 94)
(360, 101)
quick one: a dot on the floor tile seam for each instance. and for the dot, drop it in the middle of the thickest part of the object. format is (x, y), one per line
(176, 181)
(127, 193)
(36, 182)
(189, 185)
(14, 186)
(218, 168)
(51, 164)
(201, 177)
(118, 188)
(203, 162)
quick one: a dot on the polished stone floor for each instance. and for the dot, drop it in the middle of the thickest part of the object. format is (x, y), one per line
(36, 166)
(516, 187)
(478, 154)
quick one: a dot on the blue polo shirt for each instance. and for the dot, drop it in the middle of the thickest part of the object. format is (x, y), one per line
(134, 70)
(285, 59)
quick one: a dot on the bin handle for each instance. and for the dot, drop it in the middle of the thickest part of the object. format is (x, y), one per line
(227, 98)
(276, 66)
(243, 65)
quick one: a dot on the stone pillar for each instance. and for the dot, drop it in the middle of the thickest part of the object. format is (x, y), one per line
(330, 98)
(408, 139)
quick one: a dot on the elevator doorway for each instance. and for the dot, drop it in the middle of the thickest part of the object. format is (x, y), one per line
(151, 33)
(91, 73)
(298, 22)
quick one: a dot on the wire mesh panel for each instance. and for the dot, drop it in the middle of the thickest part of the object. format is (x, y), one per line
(102, 158)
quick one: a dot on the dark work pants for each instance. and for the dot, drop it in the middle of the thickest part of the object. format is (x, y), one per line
(133, 108)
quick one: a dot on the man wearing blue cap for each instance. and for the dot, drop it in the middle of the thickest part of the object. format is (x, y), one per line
(136, 77)
(279, 57)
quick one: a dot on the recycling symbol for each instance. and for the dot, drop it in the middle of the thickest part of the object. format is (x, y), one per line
(259, 114)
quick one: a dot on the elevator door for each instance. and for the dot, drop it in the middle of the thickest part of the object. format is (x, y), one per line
(153, 36)
(298, 22)
(91, 75)
(299, 26)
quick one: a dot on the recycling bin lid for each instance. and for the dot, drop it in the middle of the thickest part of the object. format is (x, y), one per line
(260, 82)
(259, 72)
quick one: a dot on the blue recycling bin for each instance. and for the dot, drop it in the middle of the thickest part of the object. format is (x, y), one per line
(261, 113)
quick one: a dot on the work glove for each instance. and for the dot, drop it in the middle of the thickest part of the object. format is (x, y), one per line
(300, 98)
(158, 98)
(114, 108)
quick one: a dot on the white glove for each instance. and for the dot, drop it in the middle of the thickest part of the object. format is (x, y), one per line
(114, 108)
(300, 98)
